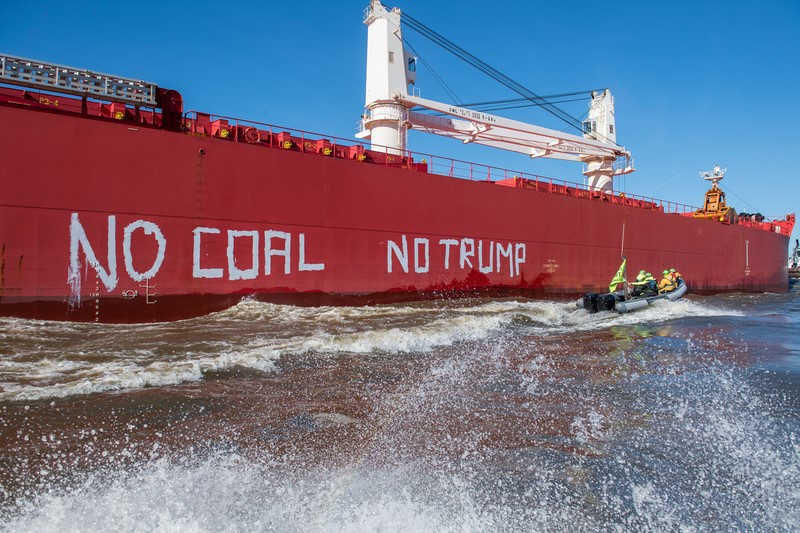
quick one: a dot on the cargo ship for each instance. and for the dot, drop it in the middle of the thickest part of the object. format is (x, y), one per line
(119, 206)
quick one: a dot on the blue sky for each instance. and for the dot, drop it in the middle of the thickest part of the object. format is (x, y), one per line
(695, 83)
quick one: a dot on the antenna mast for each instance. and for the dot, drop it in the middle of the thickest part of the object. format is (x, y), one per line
(715, 207)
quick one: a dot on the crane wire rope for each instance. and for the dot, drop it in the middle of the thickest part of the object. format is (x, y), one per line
(498, 76)
(728, 189)
(493, 73)
(436, 76)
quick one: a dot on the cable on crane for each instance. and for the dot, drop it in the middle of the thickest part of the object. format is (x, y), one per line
(548, 97)
(438, 78)
(512, 104)
(728, 189)
(493, 73)
(498, 76)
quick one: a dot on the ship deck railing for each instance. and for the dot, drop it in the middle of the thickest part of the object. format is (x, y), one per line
(239, 130)
(258, 133)
(232, 129)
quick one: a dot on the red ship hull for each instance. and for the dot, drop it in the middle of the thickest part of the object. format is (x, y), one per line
(104, 220)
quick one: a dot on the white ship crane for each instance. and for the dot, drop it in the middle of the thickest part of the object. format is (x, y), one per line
(391, 112)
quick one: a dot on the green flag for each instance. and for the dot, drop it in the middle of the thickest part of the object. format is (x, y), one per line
(619, 277)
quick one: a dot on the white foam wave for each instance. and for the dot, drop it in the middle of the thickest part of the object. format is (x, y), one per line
(267, 332)
(570, 318)
(437, 333)
(76, 378)
(548, 314)
(254, 311)
(229, 493)
(745, 477)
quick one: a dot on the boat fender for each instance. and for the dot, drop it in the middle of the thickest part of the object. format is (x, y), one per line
(624, 307)
(677, 293)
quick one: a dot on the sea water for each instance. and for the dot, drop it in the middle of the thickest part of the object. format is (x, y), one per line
(451, 415)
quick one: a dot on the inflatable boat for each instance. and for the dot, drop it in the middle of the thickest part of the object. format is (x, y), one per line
(616, 301)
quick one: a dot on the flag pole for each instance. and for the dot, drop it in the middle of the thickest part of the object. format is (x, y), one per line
(622, 271)
(622, 254)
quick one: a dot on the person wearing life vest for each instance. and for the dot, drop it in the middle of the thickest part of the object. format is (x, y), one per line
(651, 289)
(640, 284)
(676, 276)
(667, 283)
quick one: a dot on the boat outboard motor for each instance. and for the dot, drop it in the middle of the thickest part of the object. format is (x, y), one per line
(590, 302)
(594, 302)
(606, 302)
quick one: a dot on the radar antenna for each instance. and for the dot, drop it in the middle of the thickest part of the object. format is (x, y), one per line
(715, 207)
(714, 176)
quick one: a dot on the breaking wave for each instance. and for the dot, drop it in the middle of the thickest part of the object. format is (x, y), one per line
(708, 453)
(55, 359)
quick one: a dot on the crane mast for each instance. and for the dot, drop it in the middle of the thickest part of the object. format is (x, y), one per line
(390, 70)
(390, 111)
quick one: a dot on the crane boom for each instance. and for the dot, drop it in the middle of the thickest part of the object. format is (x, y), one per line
(507, 134)
(390, 112)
